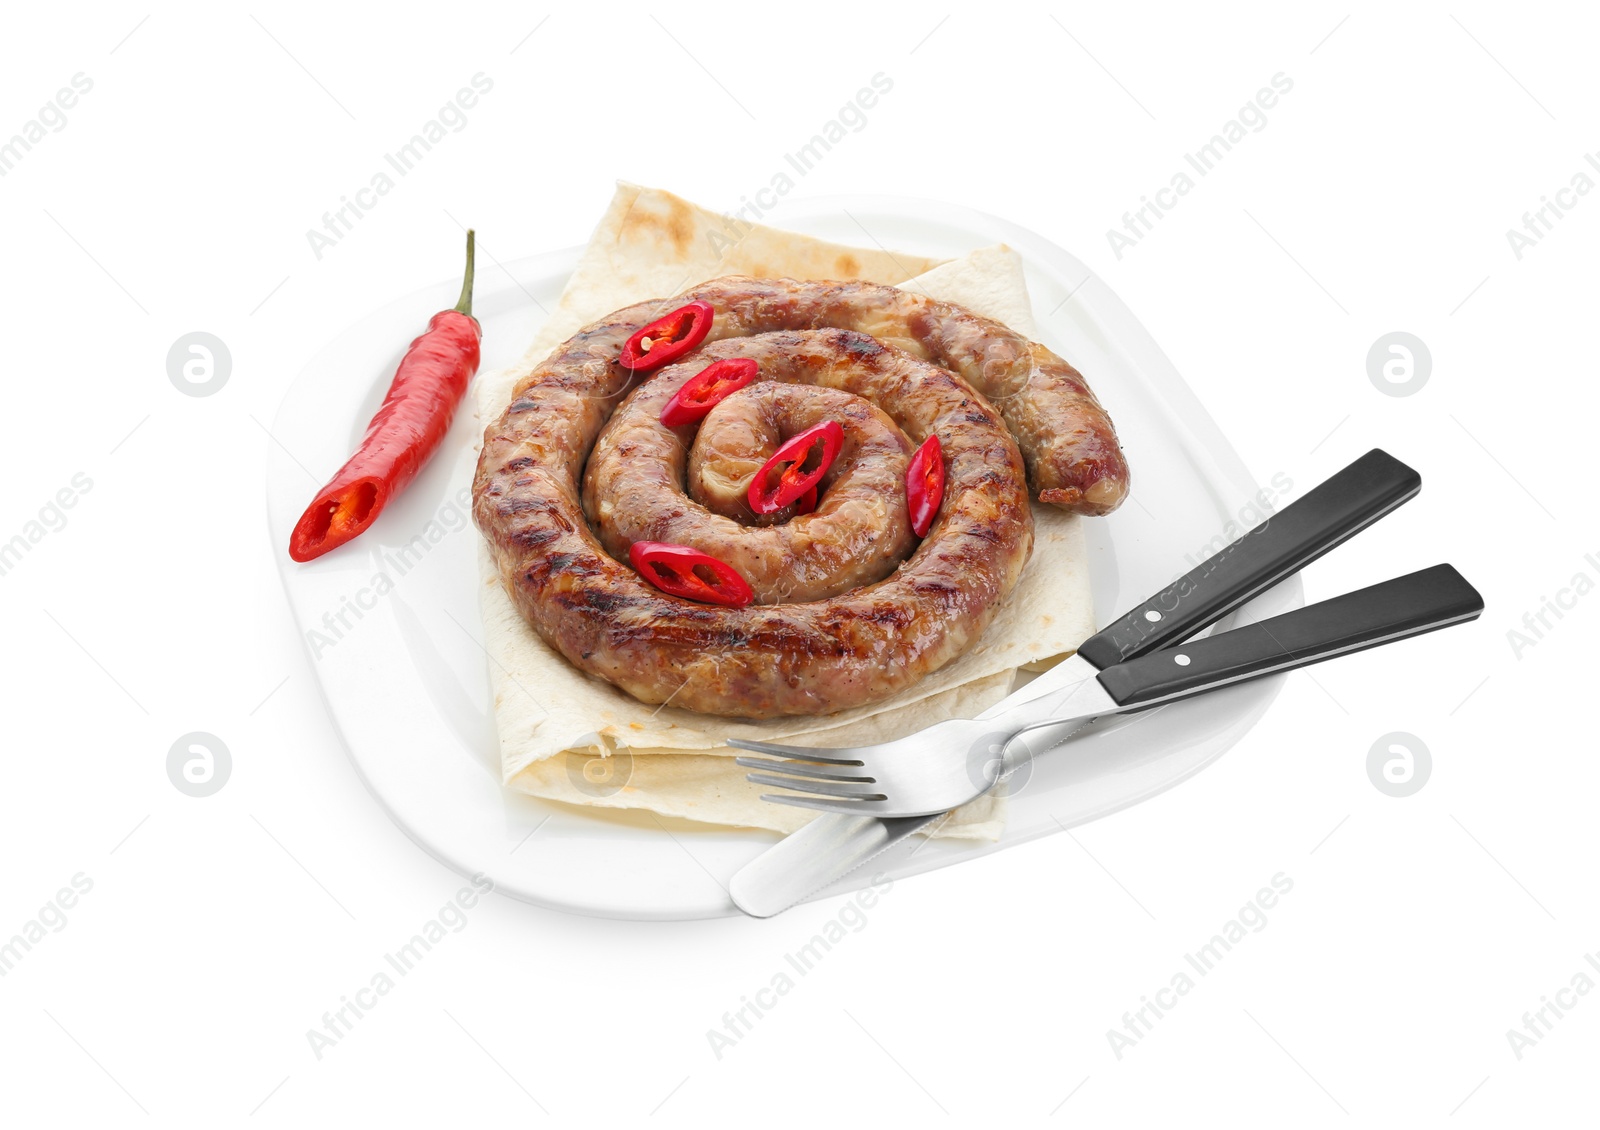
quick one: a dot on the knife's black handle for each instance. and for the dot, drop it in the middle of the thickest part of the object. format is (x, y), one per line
(1301, 532)
(1405, 606)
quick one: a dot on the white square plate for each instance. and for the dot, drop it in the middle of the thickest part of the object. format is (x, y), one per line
(391, 620)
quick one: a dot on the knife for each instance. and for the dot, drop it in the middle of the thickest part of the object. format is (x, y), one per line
(833, 845)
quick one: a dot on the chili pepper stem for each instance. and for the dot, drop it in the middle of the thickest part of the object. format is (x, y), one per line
(464, 305)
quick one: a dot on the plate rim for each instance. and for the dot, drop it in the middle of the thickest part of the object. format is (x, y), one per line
(1221, 456)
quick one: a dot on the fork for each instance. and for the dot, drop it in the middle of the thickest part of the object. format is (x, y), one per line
(949, 764)
(1136, 663)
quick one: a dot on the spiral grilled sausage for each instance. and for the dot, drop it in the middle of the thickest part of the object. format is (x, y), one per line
(573, 473)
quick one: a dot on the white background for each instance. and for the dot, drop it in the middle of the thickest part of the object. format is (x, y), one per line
(1377, 198)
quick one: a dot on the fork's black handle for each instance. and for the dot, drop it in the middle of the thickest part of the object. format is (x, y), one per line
(1301, 532)
(1406, 606)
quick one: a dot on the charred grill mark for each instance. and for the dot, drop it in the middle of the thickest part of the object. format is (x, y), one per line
(862, 346)
(522, 504)
(561, 563)
(535, 539)
(988, 478)
(602, 600)
(989, 533)
(883, 615)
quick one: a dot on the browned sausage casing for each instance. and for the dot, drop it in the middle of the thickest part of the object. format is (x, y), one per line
(634, 487)
(885, 363)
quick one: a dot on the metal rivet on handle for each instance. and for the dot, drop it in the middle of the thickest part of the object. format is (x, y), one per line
(1181, 660)
(1152, 615)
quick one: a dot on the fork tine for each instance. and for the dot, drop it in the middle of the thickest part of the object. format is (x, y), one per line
(794, 752)
(801, 769)
(826, 788)
(823, 804)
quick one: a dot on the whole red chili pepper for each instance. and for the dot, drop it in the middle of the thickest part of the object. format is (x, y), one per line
(925, 485)
(706, 389)
(408, 427)
(824, 440)
(680, 571)
(667, 338)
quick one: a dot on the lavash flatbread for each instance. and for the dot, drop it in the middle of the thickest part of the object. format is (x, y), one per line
(567, 736)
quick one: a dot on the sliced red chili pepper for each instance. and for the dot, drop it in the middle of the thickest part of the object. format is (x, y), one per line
(794, 480)
(706, 389)
(408, 427)
(925, 485)
(807, 502)
(680, 571)
(667, 338)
